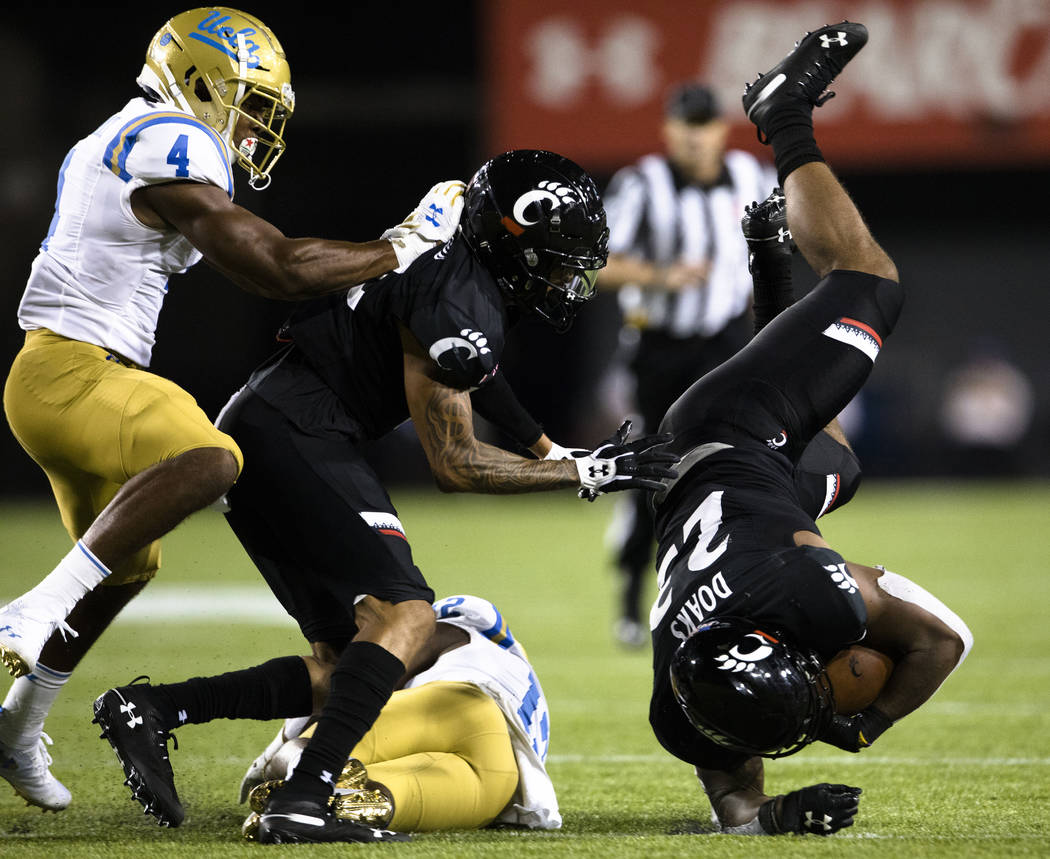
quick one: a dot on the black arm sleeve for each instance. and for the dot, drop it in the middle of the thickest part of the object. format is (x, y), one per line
(496, 402)
(827, 475)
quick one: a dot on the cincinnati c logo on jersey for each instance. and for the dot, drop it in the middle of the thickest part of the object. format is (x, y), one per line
(452, 352)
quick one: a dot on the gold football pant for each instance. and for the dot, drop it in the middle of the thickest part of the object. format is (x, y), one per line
(92, 421)
(443, 751)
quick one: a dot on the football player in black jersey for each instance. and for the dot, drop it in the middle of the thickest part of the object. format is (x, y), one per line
(752, 601)
(422, 343)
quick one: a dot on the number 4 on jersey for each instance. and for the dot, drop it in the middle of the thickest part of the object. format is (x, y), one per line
(179, 156)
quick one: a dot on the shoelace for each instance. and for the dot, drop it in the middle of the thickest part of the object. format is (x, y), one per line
(41, 761)
(66, 630)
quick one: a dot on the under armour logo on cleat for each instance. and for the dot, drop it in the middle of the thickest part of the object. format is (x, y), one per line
(129, 710)
(839, 38)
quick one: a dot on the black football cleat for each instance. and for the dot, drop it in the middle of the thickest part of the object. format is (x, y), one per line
(804, 74)
(304, 822)
(134, 729)
(765, 226)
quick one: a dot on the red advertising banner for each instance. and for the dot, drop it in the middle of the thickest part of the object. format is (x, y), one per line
(945, 84)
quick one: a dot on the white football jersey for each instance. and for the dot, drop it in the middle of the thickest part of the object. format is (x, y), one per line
(497, 664)
(101, 275)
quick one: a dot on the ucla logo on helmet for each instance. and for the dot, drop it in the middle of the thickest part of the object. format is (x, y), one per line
(215, 27)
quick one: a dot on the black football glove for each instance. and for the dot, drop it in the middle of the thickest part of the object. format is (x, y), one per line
(856, 732)
(818, 810)
(615, 465)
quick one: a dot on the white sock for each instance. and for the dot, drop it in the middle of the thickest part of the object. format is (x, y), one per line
(295, 725)
(27, 704)
(76, 574)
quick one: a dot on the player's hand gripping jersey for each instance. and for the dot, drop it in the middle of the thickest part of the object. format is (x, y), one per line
(101, 275)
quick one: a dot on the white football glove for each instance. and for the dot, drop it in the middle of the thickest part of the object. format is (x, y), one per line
(615, 465)
(559, 452)
(429, 224)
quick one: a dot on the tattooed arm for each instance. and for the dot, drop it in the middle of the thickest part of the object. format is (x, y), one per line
(444, 422)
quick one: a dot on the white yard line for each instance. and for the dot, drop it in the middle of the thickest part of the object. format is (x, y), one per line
(241, 604)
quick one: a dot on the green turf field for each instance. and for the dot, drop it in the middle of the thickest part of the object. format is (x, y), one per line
(967, 775)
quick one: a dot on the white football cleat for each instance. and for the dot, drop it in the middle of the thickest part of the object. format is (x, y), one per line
(27, 771)
(23, 634)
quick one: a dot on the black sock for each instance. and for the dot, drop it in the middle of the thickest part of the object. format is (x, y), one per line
(790, 133)
(274, 690)
(362, 683)
(773, 292)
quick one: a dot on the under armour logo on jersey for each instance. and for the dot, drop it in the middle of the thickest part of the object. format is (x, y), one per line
(129, 710)
(9, 631)
(431, 218)
(326, 777)
(839, 39)
(814, 824)
(598, 470)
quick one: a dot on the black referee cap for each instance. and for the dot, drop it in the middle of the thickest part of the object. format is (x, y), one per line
(693, 102)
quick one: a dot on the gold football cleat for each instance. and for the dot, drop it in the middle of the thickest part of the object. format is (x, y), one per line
(260, 794)
(250, 827)
(353, 776)
(370, 807)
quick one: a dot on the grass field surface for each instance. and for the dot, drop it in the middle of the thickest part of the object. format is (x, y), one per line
(966, 775)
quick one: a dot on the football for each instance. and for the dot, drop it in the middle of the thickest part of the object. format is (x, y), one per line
(857, 675)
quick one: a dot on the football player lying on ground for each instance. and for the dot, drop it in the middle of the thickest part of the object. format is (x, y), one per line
(460, 745)
(753, 604)
(315, 518)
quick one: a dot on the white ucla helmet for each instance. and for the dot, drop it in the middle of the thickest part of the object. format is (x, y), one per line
(221, 64)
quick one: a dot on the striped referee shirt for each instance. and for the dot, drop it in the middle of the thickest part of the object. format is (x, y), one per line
(657, 215)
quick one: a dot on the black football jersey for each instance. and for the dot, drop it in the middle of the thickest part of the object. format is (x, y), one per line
(351, 341)
(726, 547)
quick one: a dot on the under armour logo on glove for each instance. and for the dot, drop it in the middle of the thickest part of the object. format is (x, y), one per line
(615, 465)
(129, 710)
(818, 810)
(821, 826)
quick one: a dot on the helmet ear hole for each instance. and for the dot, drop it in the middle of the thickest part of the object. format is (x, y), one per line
(200, 90)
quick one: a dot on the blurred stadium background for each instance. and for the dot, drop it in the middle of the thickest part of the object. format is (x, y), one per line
(941, 132)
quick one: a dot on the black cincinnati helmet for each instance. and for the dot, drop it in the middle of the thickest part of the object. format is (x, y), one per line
(535, 220)
(746, 689)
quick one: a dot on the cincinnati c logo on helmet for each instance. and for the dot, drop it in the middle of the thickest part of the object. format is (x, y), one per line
(547, 191)
(742, 659)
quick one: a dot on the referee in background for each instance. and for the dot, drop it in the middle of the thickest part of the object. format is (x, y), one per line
(678, 260)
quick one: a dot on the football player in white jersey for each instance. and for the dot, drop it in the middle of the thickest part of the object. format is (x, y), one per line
(461, 745)
(129, 454)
